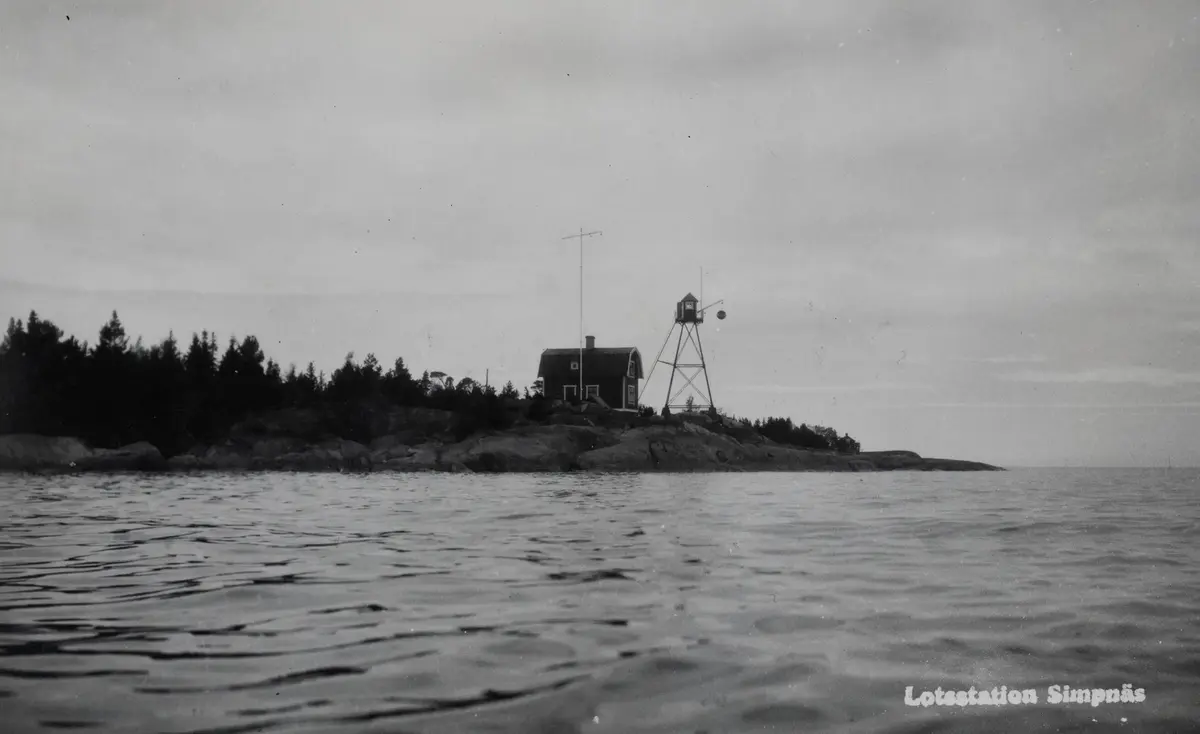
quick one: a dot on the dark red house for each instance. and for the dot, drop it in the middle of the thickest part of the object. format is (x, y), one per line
(612, 373)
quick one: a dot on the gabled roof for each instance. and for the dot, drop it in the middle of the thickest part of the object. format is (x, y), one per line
(607, 361)
(690, 297)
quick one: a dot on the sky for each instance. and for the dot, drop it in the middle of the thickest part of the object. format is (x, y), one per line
(967, 229)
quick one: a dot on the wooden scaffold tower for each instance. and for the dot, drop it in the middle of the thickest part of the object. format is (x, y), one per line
(688, 363)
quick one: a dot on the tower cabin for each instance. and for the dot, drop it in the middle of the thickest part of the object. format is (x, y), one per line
(687, 311)
(611, 373)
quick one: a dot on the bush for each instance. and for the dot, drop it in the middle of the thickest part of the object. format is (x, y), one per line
(539, 409)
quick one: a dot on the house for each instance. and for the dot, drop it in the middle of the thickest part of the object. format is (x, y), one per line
(611, 373)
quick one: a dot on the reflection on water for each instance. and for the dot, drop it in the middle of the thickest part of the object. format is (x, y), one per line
(577, 603)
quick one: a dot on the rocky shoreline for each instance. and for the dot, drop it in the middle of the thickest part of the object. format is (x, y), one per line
(416, 441)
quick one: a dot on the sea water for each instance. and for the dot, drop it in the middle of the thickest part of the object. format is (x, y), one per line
(891, 602)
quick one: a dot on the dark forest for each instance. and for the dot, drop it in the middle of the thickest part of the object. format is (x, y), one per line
(117, 392)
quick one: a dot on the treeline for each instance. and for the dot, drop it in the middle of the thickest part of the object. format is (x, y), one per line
(114, 392)
(782, 430)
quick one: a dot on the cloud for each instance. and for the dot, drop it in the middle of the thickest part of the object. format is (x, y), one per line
(959, 188)
(1004, 359)
(1136, 375)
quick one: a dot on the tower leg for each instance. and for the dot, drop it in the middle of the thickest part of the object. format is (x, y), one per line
(674, 368)
(657, 360)
(704, 368)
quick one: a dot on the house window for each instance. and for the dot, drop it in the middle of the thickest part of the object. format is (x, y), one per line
(632, 369)
(569, 392)
(592, 391)
(631, 394)
(574, 366)
(689, 306)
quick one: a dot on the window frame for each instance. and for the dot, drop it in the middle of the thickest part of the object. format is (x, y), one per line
(574, 391)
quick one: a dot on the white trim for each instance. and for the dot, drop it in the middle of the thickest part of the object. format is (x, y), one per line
(574, 365)
(627, 389)
(574, 391)
(587, 391)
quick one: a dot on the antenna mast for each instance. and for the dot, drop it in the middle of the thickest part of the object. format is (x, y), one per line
(581, 235)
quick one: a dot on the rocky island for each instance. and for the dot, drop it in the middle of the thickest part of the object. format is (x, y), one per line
(121, 406)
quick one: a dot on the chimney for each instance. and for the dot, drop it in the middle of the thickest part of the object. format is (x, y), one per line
(591, 342)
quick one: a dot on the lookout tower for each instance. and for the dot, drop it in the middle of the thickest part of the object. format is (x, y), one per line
(685, 392)
(687, 311)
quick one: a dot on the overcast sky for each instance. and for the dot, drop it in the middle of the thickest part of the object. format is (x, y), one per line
(969, 229)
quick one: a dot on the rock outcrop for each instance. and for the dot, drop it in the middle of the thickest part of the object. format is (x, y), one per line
(909, 461)
(691, 447)
(678, 446)
(26, 452)
(530, 448)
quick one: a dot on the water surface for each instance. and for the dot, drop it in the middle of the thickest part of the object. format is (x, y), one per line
(596, 603)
